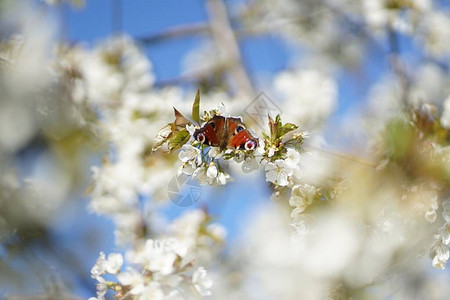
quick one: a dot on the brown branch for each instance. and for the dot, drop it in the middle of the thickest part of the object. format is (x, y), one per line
(175, 32)
(356, 26)
(192, 77)
(397, 65)
(225, 39)
(345, 156)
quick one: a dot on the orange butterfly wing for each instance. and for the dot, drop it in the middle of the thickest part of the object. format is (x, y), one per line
(211, 133)
(226, 132)
(238, 136)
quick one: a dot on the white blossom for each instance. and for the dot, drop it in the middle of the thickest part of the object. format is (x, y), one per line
(278, 172)
(444, 233)
(133, 279)
(202, 282)
(191, 129)
(250, 164)
(431, 215)
(187, 168)
(311, 93)
(436, 33)
(215, 152)
(440, 254)
(152, 291)
(158, 256)
(221, 109)
(189, 153)
(212, 172)
(102, 288)
(114, 263)
(100, 266)
(260, 150)
(302, 197)
(292, 158)
(217, 231)
(200, 174)
(104, 265)
(446, 211)
(209, 174)
(223, 178)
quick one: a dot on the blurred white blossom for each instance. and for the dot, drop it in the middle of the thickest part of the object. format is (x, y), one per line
(302, 197)
(309, 96)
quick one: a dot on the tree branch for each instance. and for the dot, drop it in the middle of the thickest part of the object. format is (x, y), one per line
(175, 32)
(225, 39)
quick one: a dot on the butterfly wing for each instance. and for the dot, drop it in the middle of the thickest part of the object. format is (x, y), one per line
(211, 133)
(238, 135)
(243, 140)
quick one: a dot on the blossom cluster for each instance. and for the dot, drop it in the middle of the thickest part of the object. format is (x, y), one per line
(440, 252)
(278, 153)
(163, 268)
(424, 20)
(112, 87)
(368, 218)
(113, 83)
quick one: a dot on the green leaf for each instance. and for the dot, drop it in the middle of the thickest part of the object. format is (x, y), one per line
(196, 108)
(265, 136)
(277, 119)
(178, 139)
(288, 127)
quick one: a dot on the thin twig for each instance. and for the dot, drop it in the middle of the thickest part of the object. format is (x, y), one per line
(225, 39)
(344, 156)
(397, 65)
(193, 77)
(358, 26)
(175, 32)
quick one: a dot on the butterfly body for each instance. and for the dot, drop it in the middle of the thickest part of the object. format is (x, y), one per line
(225, 133)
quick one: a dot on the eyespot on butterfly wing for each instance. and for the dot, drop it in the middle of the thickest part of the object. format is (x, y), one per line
(226, 132)
(238, 135)
(211, 133)
(243, 140)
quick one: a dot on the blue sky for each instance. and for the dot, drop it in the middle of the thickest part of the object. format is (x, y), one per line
(263, 55)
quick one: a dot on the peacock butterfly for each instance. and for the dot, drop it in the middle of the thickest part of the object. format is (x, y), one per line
(225, 132)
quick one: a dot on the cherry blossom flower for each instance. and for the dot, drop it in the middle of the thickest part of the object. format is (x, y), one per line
(133, 279)
(157, 256)
(446, 211)
(102, 288)
(302, 197)
(103, 265)
(444, 233)
(189, 153)
(278, 172)
(441, 254)
(250, 164)
(222, 178)
(202, 282)
(215, 152)
(211, 172)
(292, 158)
